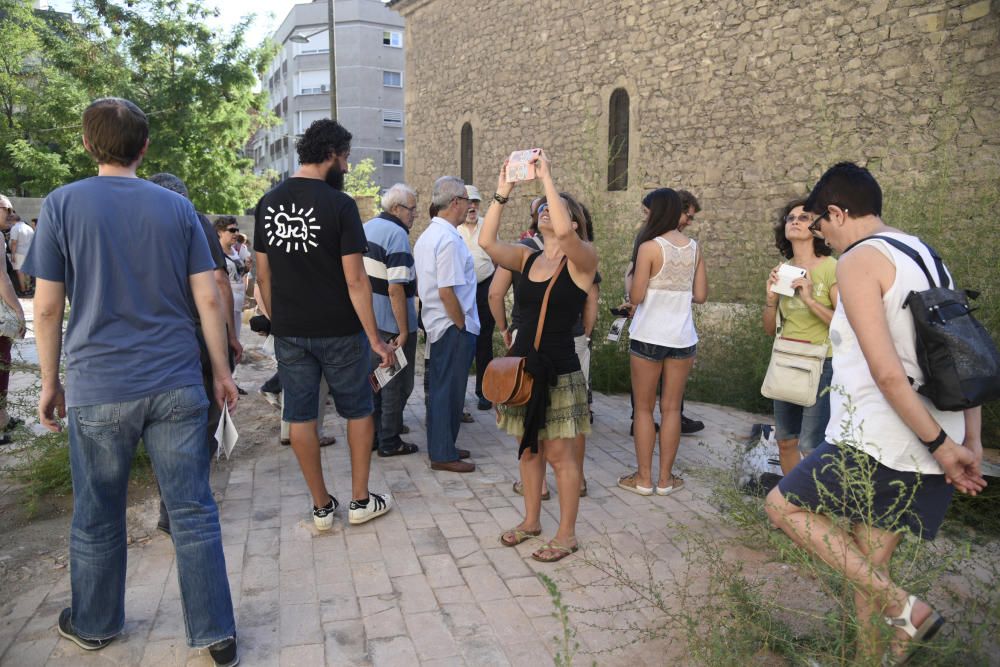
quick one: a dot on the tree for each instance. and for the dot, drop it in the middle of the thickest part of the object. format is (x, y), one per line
(196, 86)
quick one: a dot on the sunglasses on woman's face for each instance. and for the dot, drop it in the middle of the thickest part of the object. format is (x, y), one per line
(801, 217)
(233, 230)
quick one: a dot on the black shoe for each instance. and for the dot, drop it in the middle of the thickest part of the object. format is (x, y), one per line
(689, 426)
(163, 526)
(403, 449)
(404, 430)
(241, 391)
(66, 629)
(631, 429)
(12, 423)
(467, 418)
(484, 404)
(224, 653)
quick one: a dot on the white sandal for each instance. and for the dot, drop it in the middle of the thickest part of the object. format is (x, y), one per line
(667, 490)
(927, 629)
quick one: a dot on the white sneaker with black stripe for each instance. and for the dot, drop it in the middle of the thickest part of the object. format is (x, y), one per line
(323, 516)
(377, 505)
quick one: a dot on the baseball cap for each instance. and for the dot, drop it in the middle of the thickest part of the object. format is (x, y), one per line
(472, 192)
(5, 203)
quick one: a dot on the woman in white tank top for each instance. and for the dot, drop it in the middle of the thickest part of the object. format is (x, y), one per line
(668, 275)
(907, 455)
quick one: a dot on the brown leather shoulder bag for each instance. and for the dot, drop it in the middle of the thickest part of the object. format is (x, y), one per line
(506, 382)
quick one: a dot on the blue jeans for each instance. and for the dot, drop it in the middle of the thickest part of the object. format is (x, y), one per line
(102, 442)
(343, 360)
(390, 401)
(451, 358)
(807, 424)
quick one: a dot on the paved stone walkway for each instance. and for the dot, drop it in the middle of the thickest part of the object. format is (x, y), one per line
(427, 584)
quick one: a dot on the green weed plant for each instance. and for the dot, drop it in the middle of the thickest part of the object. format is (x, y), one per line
(720, 605)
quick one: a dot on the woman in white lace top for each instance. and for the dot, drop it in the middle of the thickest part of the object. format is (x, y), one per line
(668, 275)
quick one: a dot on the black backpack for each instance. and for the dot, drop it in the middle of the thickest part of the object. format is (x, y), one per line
(959, 360)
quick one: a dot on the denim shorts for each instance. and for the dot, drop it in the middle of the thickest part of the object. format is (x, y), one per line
(827, 481)
(343, 360)
(654, 352)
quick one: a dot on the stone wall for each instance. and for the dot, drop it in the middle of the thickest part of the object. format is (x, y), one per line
(745, 103)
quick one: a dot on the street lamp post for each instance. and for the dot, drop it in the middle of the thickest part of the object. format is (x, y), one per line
(299, 38)
(333, 61)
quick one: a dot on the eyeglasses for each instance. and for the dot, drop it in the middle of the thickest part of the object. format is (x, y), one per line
(801, 217)
(815, 226)
(233, 230)
(543, 207)
(411, 209)
(463, 198)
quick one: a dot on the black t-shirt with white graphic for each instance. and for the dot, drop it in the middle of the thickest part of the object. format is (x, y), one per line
(305, 227)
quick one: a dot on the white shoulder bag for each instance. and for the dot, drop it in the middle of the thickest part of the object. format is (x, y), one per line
(795, 369)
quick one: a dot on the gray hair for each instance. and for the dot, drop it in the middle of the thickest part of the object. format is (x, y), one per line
(447, 188)
(397, 196)
(170, 182)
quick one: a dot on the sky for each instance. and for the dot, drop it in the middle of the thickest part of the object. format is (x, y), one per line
(269, 13)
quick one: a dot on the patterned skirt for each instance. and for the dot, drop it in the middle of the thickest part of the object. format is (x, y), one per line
(566, 417)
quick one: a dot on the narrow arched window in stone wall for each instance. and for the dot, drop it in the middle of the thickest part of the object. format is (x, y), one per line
(467, 153)
(618, 140)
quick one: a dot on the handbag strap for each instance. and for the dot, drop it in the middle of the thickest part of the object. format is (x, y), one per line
(545, 302)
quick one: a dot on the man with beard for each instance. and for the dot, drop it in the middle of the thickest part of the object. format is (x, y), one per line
(310, 247)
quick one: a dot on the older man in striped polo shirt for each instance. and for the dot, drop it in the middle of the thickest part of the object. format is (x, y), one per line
(389, 264)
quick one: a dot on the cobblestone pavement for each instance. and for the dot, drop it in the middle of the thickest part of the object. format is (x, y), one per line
(427, 584)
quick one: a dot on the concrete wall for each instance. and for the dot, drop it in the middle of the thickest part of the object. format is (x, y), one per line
(744, 103)
(361, 97)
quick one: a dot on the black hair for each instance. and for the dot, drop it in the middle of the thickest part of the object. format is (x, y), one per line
(322, 139)
(590, 222)
(849, 186)
(665, 211)
(223, 221)
(688, 200)
(781, 242)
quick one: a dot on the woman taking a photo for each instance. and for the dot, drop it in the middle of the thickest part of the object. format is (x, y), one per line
(896, 459)
(804, 317)
(668, 274)
(552, 425)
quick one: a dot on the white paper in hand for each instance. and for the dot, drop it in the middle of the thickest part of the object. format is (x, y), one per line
(226, 434)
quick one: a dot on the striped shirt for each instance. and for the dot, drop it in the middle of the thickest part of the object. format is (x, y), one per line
(390, 260)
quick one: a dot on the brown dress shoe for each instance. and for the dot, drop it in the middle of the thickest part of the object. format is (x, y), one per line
(464, 453)
(453, 466)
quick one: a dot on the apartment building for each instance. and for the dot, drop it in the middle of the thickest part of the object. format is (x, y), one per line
(369, 56)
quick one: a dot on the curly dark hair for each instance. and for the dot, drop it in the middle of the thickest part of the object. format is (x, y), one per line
(781, 242)
(322, 139)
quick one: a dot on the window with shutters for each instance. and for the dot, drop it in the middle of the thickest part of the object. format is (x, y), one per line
(392, 117)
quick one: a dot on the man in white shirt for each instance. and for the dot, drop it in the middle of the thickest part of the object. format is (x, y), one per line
(469, 229)
(20, 241)
(446, 284)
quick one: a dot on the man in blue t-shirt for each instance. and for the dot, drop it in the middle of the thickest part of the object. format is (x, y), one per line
(389, 264)
(132, 372)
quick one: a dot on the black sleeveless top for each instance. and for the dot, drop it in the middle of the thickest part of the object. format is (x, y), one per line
(566, 303)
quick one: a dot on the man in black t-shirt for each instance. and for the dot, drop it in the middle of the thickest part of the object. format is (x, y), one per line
(311, 278)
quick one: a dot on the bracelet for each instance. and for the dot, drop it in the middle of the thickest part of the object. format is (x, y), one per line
(932, 445)
(499, 198)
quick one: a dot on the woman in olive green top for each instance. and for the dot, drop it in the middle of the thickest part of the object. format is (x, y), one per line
(805, 316)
